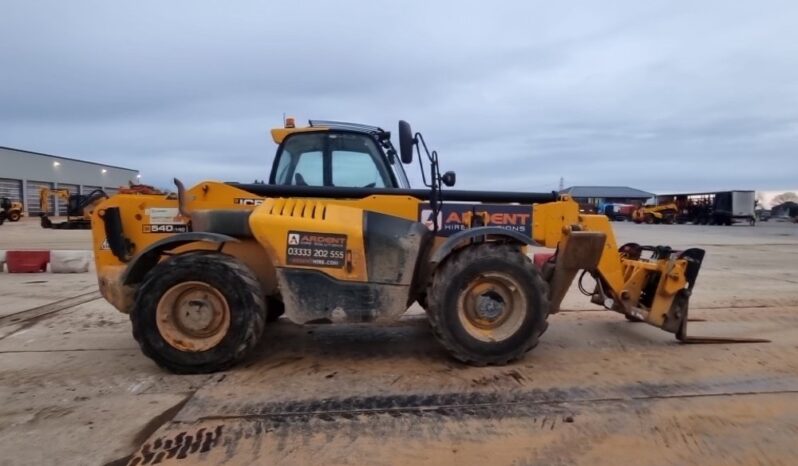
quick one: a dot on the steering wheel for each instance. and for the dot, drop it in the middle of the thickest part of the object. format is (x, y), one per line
(299, 180)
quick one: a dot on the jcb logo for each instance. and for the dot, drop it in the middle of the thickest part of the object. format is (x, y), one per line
(247, 201)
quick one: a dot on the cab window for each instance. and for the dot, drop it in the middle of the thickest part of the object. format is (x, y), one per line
(301, 161)
(332, 159)
(353, 168)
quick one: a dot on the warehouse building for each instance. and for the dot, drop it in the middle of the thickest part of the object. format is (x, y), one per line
(600, 195)
(23, 173)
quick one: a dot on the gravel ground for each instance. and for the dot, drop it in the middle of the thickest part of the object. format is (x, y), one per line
(597, 390)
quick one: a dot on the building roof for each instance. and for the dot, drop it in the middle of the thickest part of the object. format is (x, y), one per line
(709, 193)
(68, 158)
(621, 192)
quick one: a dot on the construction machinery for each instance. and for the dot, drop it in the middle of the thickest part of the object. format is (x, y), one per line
(10, 210)
(660, 213)
(618, 212)
(338, 235)
(79, 208)
(713, 208)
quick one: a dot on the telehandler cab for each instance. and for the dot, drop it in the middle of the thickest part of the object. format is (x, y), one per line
(338, 234)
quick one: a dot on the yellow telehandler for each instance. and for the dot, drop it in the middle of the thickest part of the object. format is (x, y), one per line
(10, 210)
(337, 234)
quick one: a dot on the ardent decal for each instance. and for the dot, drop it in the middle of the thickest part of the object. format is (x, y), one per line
(315, 249)
(457, 217)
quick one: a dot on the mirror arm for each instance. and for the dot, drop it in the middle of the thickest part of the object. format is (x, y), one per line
(419, 141)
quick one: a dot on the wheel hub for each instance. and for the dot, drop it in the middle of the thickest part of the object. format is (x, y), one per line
(196, 315)
(492, 307)
(193, 316)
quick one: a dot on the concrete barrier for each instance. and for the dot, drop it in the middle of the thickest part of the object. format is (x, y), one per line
(27, 261)
(69, 261)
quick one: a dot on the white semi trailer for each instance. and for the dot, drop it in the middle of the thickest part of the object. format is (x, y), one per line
(713, 208)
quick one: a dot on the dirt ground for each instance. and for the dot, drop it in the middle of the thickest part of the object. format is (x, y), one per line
(75, 388)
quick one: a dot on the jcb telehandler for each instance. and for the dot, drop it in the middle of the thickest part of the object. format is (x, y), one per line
(337, 234)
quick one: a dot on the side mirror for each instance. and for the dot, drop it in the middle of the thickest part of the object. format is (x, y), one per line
(449, 178)
(406, 142)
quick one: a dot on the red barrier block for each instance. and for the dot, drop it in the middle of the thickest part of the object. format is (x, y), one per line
(541, 258)
(27, 261)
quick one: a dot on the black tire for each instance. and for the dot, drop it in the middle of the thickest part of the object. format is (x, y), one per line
(243, 296)
(455, 277)
(14, 216)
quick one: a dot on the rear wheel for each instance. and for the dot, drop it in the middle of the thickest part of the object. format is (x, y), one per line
(14, 216)
(198, 312)
(488, 304)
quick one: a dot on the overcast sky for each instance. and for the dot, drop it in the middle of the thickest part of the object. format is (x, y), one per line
(659, 95)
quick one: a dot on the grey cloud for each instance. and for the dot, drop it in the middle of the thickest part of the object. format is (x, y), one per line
(657, 95)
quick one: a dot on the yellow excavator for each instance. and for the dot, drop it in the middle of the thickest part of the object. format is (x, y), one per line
(338, 235)
(79, 208)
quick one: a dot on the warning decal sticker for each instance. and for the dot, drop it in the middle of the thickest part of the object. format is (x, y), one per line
(315, 249)
(164, 216)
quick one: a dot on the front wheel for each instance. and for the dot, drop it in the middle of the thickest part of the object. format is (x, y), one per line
(488, 304)
(198, 312)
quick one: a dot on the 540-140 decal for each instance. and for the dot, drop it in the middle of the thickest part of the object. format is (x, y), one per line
(167, 228)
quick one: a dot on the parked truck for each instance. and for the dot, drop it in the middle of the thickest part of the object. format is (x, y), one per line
(713, 208)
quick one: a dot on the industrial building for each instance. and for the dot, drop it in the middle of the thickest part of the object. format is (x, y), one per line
(23, 173)
(600, 195)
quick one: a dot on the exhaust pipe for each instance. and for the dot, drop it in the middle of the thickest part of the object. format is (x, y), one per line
(181, 199)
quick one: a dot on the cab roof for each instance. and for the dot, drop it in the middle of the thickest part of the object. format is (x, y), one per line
(279, 134)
